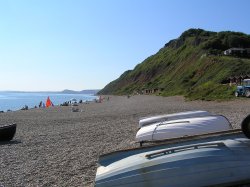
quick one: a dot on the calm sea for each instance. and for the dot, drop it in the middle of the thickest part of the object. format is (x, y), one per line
(17, 100)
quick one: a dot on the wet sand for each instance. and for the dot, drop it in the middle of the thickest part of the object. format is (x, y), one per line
(58, 147)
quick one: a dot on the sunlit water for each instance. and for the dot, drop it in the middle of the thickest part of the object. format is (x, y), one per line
(17, 100)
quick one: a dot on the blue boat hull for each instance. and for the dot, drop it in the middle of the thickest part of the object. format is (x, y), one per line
(219, 162)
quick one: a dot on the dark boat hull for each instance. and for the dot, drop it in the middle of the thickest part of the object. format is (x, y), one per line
(7, 132)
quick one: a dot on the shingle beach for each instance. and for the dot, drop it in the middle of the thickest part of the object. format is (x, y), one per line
(57, 147)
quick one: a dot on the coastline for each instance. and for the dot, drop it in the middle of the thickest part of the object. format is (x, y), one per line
(55, 146)
(13, 101)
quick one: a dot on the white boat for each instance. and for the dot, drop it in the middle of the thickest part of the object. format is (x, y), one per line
(183, 127)
(167, 117)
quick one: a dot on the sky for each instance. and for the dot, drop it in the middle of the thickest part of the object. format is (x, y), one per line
(52, 45)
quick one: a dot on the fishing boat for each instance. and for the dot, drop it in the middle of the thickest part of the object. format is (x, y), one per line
(7, 132)
(212, 159)
(183, 127)
(168, 117)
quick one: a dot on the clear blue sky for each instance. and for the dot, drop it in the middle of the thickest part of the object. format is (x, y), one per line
(84, 44)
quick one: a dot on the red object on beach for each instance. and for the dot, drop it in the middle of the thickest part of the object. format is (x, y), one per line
(48, 102)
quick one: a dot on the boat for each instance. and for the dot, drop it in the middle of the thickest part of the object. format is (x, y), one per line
(183, 127)
(215, 163)
(168, 117)
(245, 126)
(7, 132)
(211, 159)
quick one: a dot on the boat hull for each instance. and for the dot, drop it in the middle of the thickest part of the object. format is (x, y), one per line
(168, 117)
(195, 176)
(183, 127)
(7, 132)
(219, 163)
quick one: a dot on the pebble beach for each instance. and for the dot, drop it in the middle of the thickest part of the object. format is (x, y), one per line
(57, 147)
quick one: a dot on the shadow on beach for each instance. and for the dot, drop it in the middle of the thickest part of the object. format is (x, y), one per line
(10, 142)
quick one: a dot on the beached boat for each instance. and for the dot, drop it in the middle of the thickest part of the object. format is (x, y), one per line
(7, 132)
(168, 117)
(245, 126)
(216, 163)
(183, 127)
(212, 159)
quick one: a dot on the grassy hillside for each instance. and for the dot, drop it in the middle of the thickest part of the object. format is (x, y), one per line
(191, 65)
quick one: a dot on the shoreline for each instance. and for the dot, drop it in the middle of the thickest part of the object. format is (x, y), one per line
(55, 146)
(14, 101)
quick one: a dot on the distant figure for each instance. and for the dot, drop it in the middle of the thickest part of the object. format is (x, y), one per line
(108, 99)
(43, 105)
(25, 108)
(40, 104)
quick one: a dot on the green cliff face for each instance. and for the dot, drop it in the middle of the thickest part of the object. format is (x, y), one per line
(192, 65)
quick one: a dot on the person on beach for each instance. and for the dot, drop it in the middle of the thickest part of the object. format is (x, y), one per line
(40, 104)
(25, 107)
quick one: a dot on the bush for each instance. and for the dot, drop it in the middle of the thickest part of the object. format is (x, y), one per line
(211, 91)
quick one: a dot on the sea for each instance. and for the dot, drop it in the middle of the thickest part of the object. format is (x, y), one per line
(16, 100)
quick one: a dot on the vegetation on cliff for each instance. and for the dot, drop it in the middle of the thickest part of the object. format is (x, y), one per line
(192, 65)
